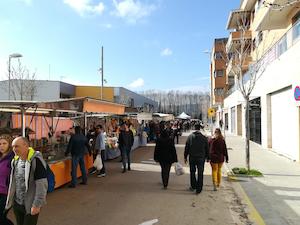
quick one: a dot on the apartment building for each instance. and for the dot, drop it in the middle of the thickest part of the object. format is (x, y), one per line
(218, 72)
(273, 33)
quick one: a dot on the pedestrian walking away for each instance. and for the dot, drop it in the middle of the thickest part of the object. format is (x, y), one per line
(217, 154)
(196, 152)
(78, 146)
(165, 154)
(6, 155)
(28, 183)
(125, 143)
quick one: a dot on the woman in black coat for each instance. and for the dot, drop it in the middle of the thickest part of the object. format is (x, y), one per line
(165, 154)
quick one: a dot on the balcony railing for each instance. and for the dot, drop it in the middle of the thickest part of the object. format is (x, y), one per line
(290, 38)
(237, 36)
(233, 62)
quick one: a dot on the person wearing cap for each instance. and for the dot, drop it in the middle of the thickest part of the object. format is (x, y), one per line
(6, 155)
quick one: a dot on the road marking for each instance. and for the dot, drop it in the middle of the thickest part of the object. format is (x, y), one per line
(254, 214)
(150, 222)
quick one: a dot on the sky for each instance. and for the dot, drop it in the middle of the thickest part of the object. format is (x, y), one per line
(148, 44)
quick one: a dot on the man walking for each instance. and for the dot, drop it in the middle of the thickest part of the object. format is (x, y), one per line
(196, 148)
(100, 148)
(126, 140)
(78, 146)
(28, 183)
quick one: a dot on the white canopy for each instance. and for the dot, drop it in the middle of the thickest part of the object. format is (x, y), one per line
(183, 116)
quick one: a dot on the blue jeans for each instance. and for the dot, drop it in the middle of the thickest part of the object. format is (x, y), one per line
(75, 160)
(196, 164)
(125, 151)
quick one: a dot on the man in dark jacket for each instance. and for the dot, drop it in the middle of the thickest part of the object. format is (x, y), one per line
(196, 148)
(126, 140)
(78, 146)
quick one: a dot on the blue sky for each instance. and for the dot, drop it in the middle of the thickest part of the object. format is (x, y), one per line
(148, 44)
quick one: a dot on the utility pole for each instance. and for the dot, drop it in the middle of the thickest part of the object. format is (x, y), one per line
(102, 73)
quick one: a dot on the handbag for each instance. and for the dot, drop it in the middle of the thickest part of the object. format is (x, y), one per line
(98, 162)
(179, 169)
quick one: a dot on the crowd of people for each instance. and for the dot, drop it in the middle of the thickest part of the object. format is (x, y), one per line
(23, 171)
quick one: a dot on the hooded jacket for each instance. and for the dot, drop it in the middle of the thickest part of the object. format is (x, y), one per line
(35, 181)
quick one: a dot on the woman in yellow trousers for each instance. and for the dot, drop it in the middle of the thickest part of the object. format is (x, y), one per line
(218, 154)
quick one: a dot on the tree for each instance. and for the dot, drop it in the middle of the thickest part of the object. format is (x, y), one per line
(245, 81)
(23, 83)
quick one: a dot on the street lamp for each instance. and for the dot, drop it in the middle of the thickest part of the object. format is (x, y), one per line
(14, 55)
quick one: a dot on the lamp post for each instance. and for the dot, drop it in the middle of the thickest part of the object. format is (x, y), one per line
(14, 55)
(211, 90)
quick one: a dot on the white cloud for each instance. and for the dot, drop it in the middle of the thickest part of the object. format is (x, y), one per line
(137, 83)
(106, 25)
(86, 6)
(166, 52)
(132, 10)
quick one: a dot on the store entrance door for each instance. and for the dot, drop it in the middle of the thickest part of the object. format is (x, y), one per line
(255, 120)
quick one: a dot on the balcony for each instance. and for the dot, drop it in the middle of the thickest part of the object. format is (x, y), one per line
(230, 70)
(275, 18)
(287, 41)
(235, 39)
(235, 18)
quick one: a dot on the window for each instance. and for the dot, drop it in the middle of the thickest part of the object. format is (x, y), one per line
(219, 91)
(219, 73)
(282, 45)
(259, 38)
(218, 55)
(296, 26)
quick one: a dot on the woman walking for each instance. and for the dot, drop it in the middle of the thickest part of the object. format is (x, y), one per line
(6, 155)
(165, 154)
(218, 152)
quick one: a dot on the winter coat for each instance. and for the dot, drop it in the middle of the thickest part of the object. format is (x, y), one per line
(218, 150)
(5, 168)
(196, 146)
(126, 139)
(78, 145)
(35, 181)
(165, 151)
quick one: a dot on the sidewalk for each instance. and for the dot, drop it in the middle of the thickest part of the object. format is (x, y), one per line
(276, 196)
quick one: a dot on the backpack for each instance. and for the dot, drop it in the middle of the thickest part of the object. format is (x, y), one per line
(50, 179)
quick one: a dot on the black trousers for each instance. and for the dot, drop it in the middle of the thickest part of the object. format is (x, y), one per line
(3, 218)
(197, 165)
(165, 172)
(23, 218)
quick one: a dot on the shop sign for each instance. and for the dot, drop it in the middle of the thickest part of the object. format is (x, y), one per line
(297, 93)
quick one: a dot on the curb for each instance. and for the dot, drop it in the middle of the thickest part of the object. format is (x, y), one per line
(253, 213)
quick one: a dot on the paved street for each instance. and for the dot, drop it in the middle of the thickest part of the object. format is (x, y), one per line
(276, 196)
(137, 197)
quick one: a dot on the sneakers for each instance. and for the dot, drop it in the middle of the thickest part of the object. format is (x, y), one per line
(215, 187)
(93, 171)
(124, 170)
(191, 189)
(101, 175)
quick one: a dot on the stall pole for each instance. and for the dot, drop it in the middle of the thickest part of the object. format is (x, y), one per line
(23, 121)
(85, 124)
